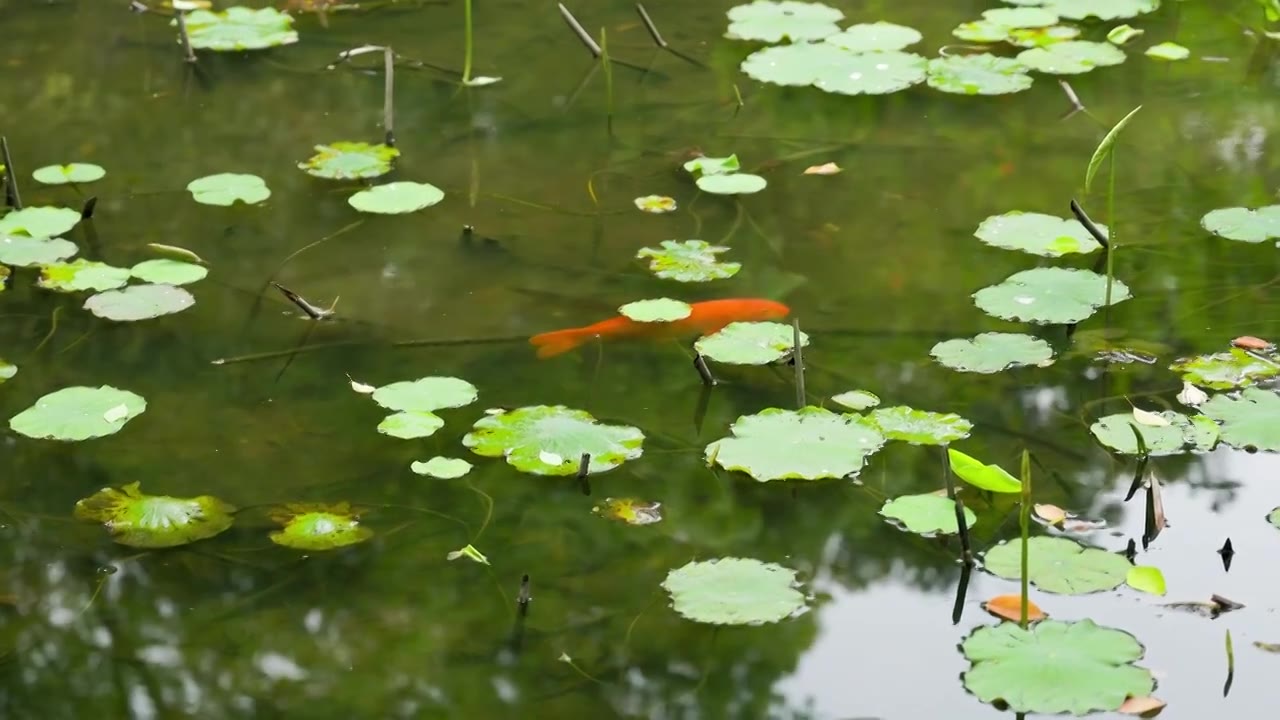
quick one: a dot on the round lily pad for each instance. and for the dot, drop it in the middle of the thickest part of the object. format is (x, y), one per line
(688, 261)
(78, 413)
(1225, 370)
(344, 160)
(770, 21)
(411, 424)
(551, 440)
(1020, 17)
(1168, 51)
(1037, 233)
(1042, 36)
(396, 198)
(81, 275)
(39, 222)
(734, 591)
(992, 352)
(1049, 295)
(870, 37)
(239, 28)
(731, 184)
(442, 467)
(707, 165)
(1100, 9)
(139, 302)
(314, 526)
(807, 444)
(833, 70)
(1059, 565)
(926, 514)
(226, 188)
(1249, 421)
(631, 511)
(154, 521)
(168, 272)
(659, 310)
(1055, 667)
(749, 343)
(23, 251)
(983, 74)
(920, 427)
(70, 173)
(1237, 223)
(856, 399)
(1071, 57)
(426, 394)
(1181, 434)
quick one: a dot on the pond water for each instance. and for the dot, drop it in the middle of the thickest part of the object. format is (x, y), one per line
(877, 262)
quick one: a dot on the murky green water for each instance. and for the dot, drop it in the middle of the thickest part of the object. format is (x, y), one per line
(878, 263)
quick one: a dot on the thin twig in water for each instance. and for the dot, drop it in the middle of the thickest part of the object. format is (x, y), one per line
(580, 31)
(188, 54)
(704, 372)
(11, 196)
(1093, 230)
(388, 96)
(659, 40)
(314, 312)
(1076, 105)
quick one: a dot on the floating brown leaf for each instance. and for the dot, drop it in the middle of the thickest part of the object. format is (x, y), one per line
(1142, 706)
(1051, 514)
(1249, 342)
(1009, 607)
(823, 169)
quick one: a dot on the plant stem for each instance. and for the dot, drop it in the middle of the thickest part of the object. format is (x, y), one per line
(1111, 225)
(188, 54)
(797, 355)
(12, 198)
(608, 76)
(1024, 524)
(965, 547)
(388, 95)
(466, 59)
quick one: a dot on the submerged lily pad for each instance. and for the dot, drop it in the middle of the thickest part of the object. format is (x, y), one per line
(1168, 51)
(750, 343)
(23, 251)
(396, 198)
(734, 591)
(345, 160)
(225, 189)
(770, 21)
(1037, 233)
(992, 352)
(871, 37)
(1055, 667)
(315, 526)
(426, 394)
(983, 74)
(1237, 223)
(629, 510)
(1071, 57)
(78, 413)
(833, 70)
(139, 302)
(927, 514)
(1059, 565)
(689, 261)
(1181, 434)
(707, 165)
(658, 310)
(1100, 9)
(169, 272)
(154, 521)
(1225, 370)
(731, 184)
(920, 427)
(39, 222)
(1049, 295)
(239, 28)
(408, 425)
(1249, 421)
(807, 444)
(442, 467)
(82, 275)
(70, 173)
(551, 440)
(856, 399)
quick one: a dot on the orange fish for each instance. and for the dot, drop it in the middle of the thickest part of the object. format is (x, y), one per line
(705, 317)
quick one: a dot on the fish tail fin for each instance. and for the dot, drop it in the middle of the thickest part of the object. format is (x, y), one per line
(550, 344)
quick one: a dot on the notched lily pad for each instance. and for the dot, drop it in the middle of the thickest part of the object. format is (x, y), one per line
(1071, 57)
(396, 198)
(1049, 295)
(1037, 233)
(78, 413)
(689, 261)
(734, 591)
(426, 394)
(920, 427)
(316, 526)
(39, 222)
(69, 173)
(707, 165)
(750, 343)
(24, 251)
(1182, 434)
(1251, 421)
(658, 310)
(442, 467)
(239, 28)
(226, 189)
(992, 352)
(345, 160)
(983, 74)
(1226, 370)
(807, 444)
(139, 302)
(80, 275)
(154, 521)
(770, 21)
(168, 272)
(833, 70)
(411, 424)
(1237, 223)
(927, 514)
(1059, 565)
(631, 511)
(876, 36)
(551, 440)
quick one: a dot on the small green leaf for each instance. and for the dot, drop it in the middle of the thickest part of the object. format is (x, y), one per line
(1122, 34)
(168, 272)
(426, 394)
(1146, 579)
(872, 37)
(1236, 223)
(174, 252)
(992, 352)
(1104, 148)
(920, 427)
(1168, 51)
(987, 477)
(23, 251)
(39, 222)
(856, 400)
(78, 413)
(81, 274)
(807, 444)
(396, 198)
(71, 173)
(750, 343)
(442, 467)
(344, 160)
(926, 514)
(1059, 565)
(659, 310)
(688, 261)
(469, 552)
(316, 526)
(154, 521)
(631, 511)
(705, 165)
(732, 184)
(551, 440)
(771, 22)
(226, 188)
(239, 28)
(411, 424)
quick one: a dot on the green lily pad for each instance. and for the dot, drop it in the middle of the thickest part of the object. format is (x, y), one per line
(705, 165)
(350, 161)
(1037, 233)
(239, 28)
(1100, 9)
(1274, 517)
(154, 521)
(1055, 667)
(983, 74)
(750, 343)
(551, 440)
(1225, 370)
(731, 184)
(139, 302)
(39, 222)
(81, 275)
(1146, 579)
(871, 37)
(689, 261)
(1182, 434)
(1168, 51)
(71, 173)
(980, 475)
(927, 514)
(1020, 17)
(771, 22)
(856, 400)
(920, 427)
(734, 591)
(411, 424)
(23, 251)
(315, 526)
(631, 511)
(1237, 223)
(1249, 421)
(442, 467)
(833, 70)
(426, 394)
(168, 272)
(396, 198)
(807, 444)
(1049, 295)
(1071, 57)
(658, 310)
(1122, 34)
(992, 352)
(226, 188)
(1059, 565)
(7, 370)
(1042, 36)
(982, 31)
(78, 413)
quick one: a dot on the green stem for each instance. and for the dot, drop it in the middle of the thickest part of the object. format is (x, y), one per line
(466, 60)
(1024, 522)
(1111, 225)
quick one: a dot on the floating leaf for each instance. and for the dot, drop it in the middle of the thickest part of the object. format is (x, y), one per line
(408, 425)
(749, 343)
(732, 184)
(706, 165)
(1143, 706)
(1237, 223)
(1146, 417)
(77, 413)
(920, 427)
(656, 204)
(1049, 295)
(807, 444)
(1226, 370)
(769, 21)
(470, 552)
(7, 371)
(833, 70)
(1041, 37)
(1009, 607)
(1100, 9)
(1181, 434)
(1055, 667)
(426, 394)
(1249, 342)
(1020, 17)
(824, 169)
(1071, 57)
(1274, 517)
(734, 591)
(992, 352)
(168, 272)
(1051, 514)
(982, 74)
(396, 198)
(926, 514)
(1191, 396)
(239, 28)
(1168, 51)
(1037, 233)
(1249, 421)
(525, 434)
(856, 399)
(688, 261)
(629, 510)
(987, 477)
(154, 521)
(982, 31)
(139, 302)
(362, 388)
(23, 251)
(442, 467)
(1059, 565)
(81, 275)
(226, 188)
(39, 222)
(315, 526)
(659, 310)
(1146, 579)
(345, 160)
(70, 173)
(870, 37)
(174, 252)
(1122, 34)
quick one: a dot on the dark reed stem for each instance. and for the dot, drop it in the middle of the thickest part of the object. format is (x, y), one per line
(86, 212)
(797, 356)
(704, 372)
(1088, 225)
(388, 95)
(11, 195)
(188, 54)
(965, 547)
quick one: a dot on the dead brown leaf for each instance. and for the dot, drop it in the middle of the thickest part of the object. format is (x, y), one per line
(1051, 514)
(1249, 342)
(824, 169)
(1142, 706)
(1009, 607)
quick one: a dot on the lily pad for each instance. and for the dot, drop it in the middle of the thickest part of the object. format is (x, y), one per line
(411, 424)
(168, 272)
(23, 251)
(70, 173)
(1274, 517)
(731, 184)
(734, 591)
(706, 165)
(1071, 57)
(927, 514)
(396, 198)
(7, 370)
(769, 21)
(1049, 295)
(656, 204)
(1020, 17)
(1059, 565)
(1055, 667)
(1146, 579)
(981, 475)
(1249, 421)
(551, 440)
(920, 427)
(1037, 233)
(426, 394)
(1042, 36)
(1100, 9)
(82, 275)
(1122, 34)
(226, 188)
(1168, 51)
(992, 352)
(807, 444)
(315, 526)
(689, 261)
(239, 28)
(983, 74)
(1243, 224)
(78, 413)
(750, 343)
(442, 467)
(39, 222)
(350, 161)
(139, 302)
(1180, 435)
(871, 37)
(982, 31)
(631, 511)
(856, 399)
(154, 521)
(1225, 370)
(659, 310)
(833, 70)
